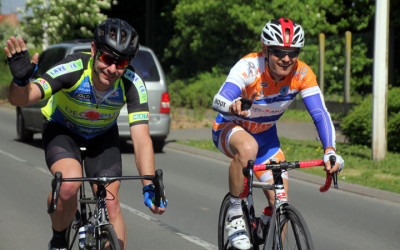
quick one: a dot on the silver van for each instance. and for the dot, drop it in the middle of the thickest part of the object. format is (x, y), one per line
(146, 64)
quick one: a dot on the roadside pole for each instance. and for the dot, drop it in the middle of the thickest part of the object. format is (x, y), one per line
(380, 80)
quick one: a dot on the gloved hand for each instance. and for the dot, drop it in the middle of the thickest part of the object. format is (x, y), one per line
(149, 196)
(339, 159)
(19, 61)
(21, 67)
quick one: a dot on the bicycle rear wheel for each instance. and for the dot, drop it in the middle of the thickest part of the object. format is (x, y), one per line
(223, 240)
(294, 231)
(108, 238)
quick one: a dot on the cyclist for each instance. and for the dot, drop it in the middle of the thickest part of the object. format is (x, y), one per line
(87, 91)
(269, 80)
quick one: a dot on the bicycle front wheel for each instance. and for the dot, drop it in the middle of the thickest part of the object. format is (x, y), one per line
(72, 233)
(108, 238)
(294, 231)
(223, 240)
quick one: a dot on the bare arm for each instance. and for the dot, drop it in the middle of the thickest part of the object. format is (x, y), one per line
(143, 147)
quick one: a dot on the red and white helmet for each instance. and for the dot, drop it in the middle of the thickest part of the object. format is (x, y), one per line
(273, 33)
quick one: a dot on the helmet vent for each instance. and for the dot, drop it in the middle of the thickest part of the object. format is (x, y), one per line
(267, 36)
(279, 38)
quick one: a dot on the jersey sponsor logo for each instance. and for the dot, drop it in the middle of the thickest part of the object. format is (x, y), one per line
(284, 90)
(220, 103)
(130, 75)
(114, 102)
(65, 68)
(264, 84)
(45, 85)
(91, 114)
(300, 74)
(252, 71)
(83, 96)
(141, 91)
(138, 116)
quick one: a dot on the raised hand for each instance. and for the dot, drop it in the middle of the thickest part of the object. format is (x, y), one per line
(19, 61)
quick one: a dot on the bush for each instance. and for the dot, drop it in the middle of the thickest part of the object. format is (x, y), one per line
(197, 92)
(357, 125)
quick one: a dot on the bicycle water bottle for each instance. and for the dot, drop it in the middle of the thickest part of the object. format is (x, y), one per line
(263, 222)
(90, 239)
(82, 236)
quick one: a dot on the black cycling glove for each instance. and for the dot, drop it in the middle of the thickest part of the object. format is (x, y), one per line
(22, 69)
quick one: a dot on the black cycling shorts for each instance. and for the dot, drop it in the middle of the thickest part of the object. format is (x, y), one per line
(103, 154)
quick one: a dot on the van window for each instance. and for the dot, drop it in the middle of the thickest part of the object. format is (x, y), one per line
(49, 58)
(145, 66)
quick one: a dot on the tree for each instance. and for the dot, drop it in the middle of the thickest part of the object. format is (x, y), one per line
(214, 34)
(59, 20)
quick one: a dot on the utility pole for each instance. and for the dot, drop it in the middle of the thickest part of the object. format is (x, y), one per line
(380, 80)
(347, 67)
(321, 79)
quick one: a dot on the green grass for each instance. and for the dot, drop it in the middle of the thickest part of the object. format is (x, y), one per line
(359, 167)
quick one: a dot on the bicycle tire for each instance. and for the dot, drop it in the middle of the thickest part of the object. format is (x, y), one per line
(108, 238)
(296, 234)
(72, 234)
(223, 241)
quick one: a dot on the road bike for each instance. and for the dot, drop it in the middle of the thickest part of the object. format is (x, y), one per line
(287, 228)
(91, 220)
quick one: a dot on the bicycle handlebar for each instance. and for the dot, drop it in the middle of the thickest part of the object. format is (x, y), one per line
(157, 180)
(299, 164)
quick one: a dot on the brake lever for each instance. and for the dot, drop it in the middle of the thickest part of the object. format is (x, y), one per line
(159, 188)
(55, 187)
(245, 104)
(332, 160)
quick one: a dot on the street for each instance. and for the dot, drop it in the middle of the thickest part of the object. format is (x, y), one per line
(195, 187)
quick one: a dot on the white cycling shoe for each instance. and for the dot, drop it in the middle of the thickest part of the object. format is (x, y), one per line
(236, 229)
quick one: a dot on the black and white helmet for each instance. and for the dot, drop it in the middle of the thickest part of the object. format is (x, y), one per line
(273, 33)
(118, 36)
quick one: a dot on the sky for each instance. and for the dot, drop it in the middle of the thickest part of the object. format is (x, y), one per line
(9, 6)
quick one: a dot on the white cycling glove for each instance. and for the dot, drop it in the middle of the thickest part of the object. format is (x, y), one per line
(339, 159)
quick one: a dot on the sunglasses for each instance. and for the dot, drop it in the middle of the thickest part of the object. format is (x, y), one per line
(282, 53)
(109, 60)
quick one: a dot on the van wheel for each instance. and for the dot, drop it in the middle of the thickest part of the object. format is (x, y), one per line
(23, 134)
(158, 145)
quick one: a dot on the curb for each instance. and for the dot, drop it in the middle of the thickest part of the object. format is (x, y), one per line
(344, 186)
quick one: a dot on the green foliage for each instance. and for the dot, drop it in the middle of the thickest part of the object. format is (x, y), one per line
(216, 34)
(57, 20)
(197, 92)
(359, 167)
(357, 125)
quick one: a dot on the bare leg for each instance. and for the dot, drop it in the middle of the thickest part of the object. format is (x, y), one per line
(114, 212)
(67, 202)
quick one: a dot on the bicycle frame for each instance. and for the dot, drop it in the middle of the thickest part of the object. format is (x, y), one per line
(280, 194)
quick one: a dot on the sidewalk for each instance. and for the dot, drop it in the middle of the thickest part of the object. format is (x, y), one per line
(295, 131)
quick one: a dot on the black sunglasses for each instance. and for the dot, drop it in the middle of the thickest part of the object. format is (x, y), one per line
(109, 60)
(282, 53)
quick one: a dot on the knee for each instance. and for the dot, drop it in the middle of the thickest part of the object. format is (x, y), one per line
(69, 190)
(247, 150)
(113, 208)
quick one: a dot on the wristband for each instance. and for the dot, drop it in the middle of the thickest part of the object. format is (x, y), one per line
(148, 188)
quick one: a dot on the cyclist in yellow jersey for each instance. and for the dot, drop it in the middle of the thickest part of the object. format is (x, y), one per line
(269, 80)
(86, 93)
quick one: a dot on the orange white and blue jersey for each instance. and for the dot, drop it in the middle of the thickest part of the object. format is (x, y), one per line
(272, 100)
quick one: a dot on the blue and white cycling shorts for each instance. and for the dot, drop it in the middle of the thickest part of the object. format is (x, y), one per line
(269, 147)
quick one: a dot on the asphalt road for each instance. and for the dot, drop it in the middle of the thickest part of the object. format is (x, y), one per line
(196, 183)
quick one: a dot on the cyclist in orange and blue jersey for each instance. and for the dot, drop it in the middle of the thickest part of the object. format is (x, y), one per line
(86, 93)
(269, 81)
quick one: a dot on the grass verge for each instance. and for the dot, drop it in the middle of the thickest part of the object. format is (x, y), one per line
(359, 167)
